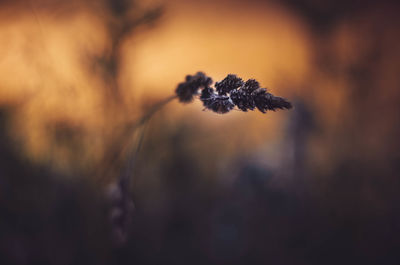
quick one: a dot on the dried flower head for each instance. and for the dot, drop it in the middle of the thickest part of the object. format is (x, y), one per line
(251, 85)
(229, 83)
(243, 99)
(188, 89)
(207, 95)
(220, 104)
(228, 93)
(266, 101)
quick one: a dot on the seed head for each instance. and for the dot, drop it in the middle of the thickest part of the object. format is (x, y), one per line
(228, 93)
(243, 99)
(220, 104)
(266, 101)
(228, 84)
(250, 85)
(207, 95)
(186, 90)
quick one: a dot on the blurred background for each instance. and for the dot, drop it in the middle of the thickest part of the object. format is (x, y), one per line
(314, 185)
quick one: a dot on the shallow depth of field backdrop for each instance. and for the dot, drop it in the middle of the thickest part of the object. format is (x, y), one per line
(317, 184)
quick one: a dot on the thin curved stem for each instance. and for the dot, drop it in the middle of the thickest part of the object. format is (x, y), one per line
(143, 121)
(122, 141)
(126, 176)
(151, 112)
(123, 204)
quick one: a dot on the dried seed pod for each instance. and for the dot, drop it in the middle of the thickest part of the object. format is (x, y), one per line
(266, 101)
(250, 85)
(220, 104)
(207, 94)
(229, 83)
(228, 93)
(188, 89)
(242, 99)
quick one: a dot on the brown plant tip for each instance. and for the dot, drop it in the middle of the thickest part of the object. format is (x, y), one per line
(229, 83)
(207, 96)
(251, 85)
(266, 101)
(220, 104)
(243, 99)
(188, 89)
(229, 93)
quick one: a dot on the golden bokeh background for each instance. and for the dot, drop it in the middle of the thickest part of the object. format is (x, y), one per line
(49, 68)
(76, 76)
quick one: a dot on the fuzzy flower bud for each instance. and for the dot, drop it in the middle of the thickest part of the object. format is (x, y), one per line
(251, 85)
(186, 90)
(220, 104)
(266, 101)
(207, 95)
(229, 93)
(228, 84)
(243, 99)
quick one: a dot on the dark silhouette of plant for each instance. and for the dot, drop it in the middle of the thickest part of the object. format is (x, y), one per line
(228, 93)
